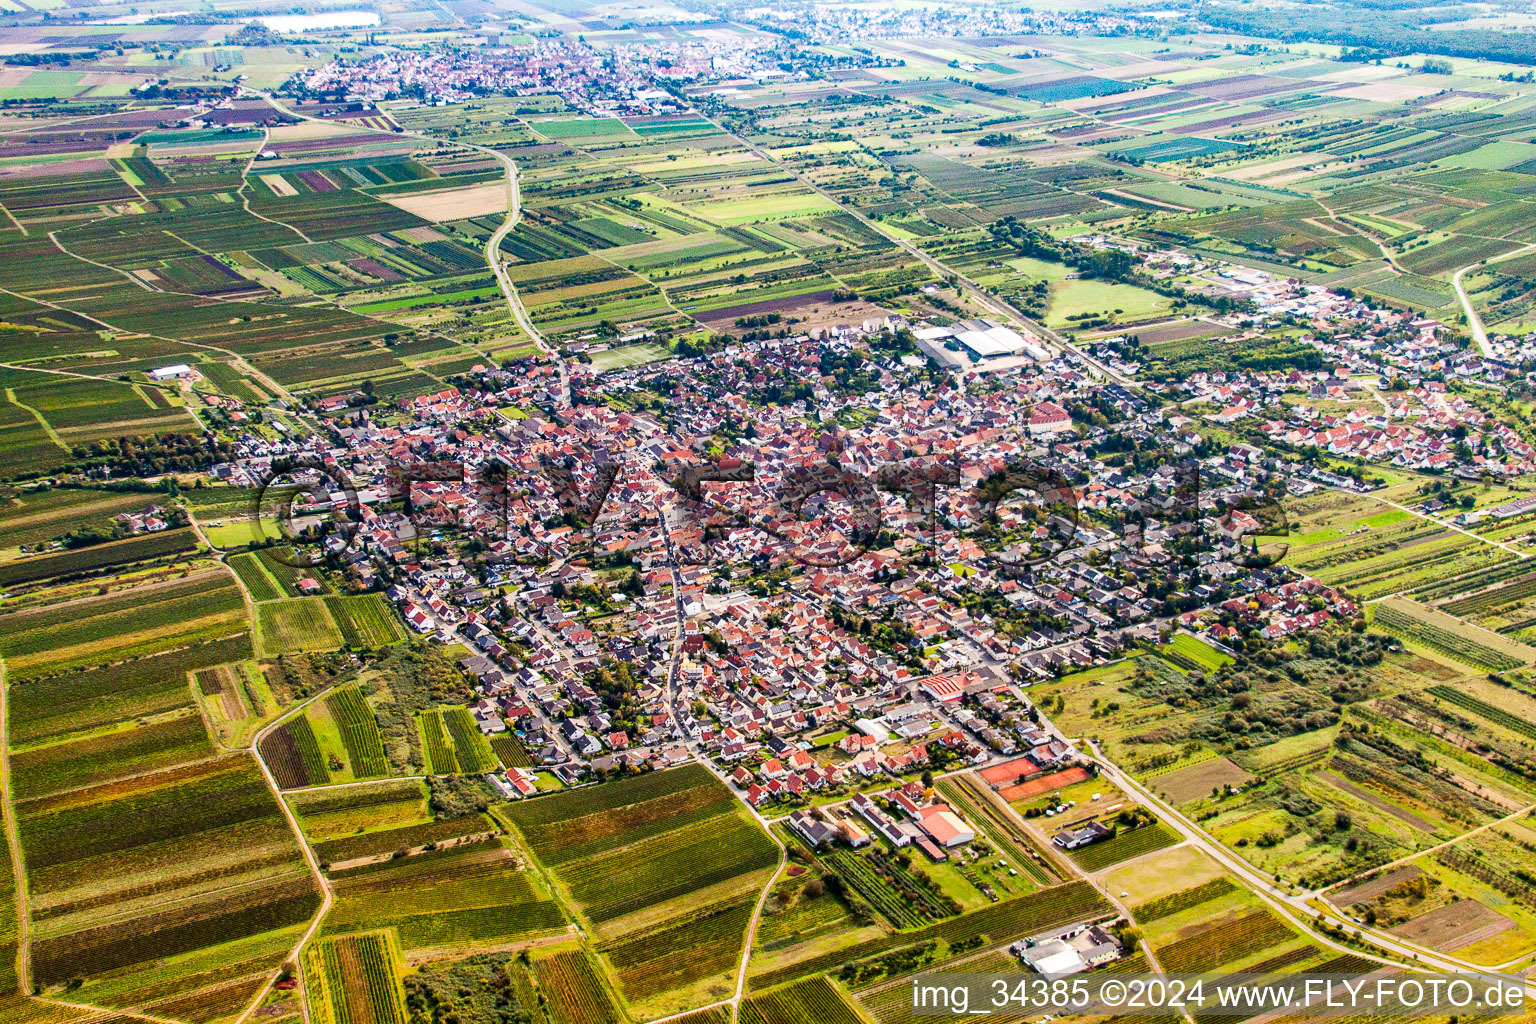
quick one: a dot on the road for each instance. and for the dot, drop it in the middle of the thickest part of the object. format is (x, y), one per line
(992, 302)
(1475, 322)
(309, 858)
(492, 245)
(1298, 908)
(18, 867)
(514, 301)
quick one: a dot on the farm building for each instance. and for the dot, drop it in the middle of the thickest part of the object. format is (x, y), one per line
(945, 826)
(1083, 835)
(176, 371)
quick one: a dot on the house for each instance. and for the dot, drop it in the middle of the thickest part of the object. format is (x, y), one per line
(1087, 834)
(1047, 419)
(944, 689)
(811, 829)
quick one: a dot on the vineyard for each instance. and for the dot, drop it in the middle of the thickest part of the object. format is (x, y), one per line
(814, 999)
(1167, 906)
(255, 578)
(1515, 590)
(1125, 845)
(1224, 943)
(509, 749)
(296, 625)
(354, 979)
(43, 707)
(1482, 709)
(359, 732)
(108, 756)
(1001, 922)
(470, 747)
(366, 620)
(207, 839)
(597, 819)
(458, 897)
(890, 888)
(575, 993)
(373, 844)
(705, 943)
(1457, 645)
(441, 759)
(668, 866)
(293, 755)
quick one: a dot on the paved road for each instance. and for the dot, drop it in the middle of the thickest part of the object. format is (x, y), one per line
(492, 245)
(997, 305)
(1475, 322)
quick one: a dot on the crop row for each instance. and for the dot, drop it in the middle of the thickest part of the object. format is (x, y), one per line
(1125, 846)
(814, 999)
(510, 751)
(903, 903)
(441, 759)
(1461, 648)
(1062, 904)
(587, 821)
(255, 578)
(86, 699)
(1167, 906)
(1224, 943)
(99, 556)
(109, 947)
(79, 623)
(323, 801)
(340, 970)
(574, 991)
(563, 809)
(113, 755)
(1498, 716)
(359, 732)
(1510, 592)
(371, 844)
(677, 863)
(293, 755)
(365, 620)
(161, 807)
(706, 942)
(470, 747)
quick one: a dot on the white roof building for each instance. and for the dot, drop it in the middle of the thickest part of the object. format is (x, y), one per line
(1053, 957)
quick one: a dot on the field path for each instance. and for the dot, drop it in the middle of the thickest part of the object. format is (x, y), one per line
(13, 841)
(245, 183)
(1094, 879)
(1475, 322)
(998, 306)
(1298, 908)
(492, 245)
(309, 858)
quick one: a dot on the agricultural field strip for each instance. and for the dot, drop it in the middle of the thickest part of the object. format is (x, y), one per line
(1295, 907)
(328, 898)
